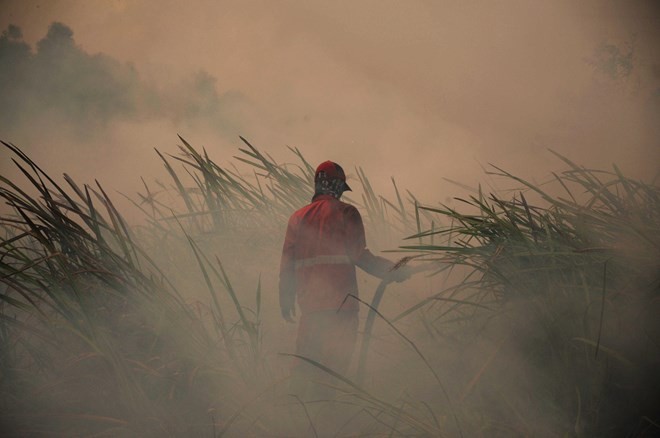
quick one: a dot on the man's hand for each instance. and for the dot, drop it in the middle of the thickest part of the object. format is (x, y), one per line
(288, 313)
(288, 303)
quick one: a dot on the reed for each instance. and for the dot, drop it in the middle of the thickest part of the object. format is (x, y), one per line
(575, 282)
(167, 327)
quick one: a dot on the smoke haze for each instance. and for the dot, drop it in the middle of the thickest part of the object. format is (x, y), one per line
(419, 92)
(428, 92)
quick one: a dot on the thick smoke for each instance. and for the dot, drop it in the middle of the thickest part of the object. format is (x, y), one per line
(60, 102)
(419, 93)
(438, 88)
(88, 92)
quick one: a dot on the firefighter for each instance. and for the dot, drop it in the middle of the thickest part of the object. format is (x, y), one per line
(324, 243)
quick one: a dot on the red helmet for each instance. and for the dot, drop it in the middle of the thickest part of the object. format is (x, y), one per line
(330, 170)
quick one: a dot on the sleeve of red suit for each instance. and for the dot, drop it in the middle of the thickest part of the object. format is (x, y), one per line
(356, 246)
(287, 268)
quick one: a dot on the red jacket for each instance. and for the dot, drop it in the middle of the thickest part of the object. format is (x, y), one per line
(323, 244)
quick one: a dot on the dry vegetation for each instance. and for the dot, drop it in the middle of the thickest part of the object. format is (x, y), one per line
(544, 323)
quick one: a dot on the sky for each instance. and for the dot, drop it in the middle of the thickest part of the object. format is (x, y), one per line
(424, 91)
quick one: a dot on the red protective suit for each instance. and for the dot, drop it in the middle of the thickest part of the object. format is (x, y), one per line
(323, 244)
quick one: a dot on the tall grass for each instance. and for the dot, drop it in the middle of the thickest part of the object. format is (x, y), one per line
(544, 323)
(96, 337)
(577, 282)
(91, 302)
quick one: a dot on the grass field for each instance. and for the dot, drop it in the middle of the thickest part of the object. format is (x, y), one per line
(538, 316)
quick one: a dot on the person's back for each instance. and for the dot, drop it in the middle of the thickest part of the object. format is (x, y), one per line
(324, 242)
